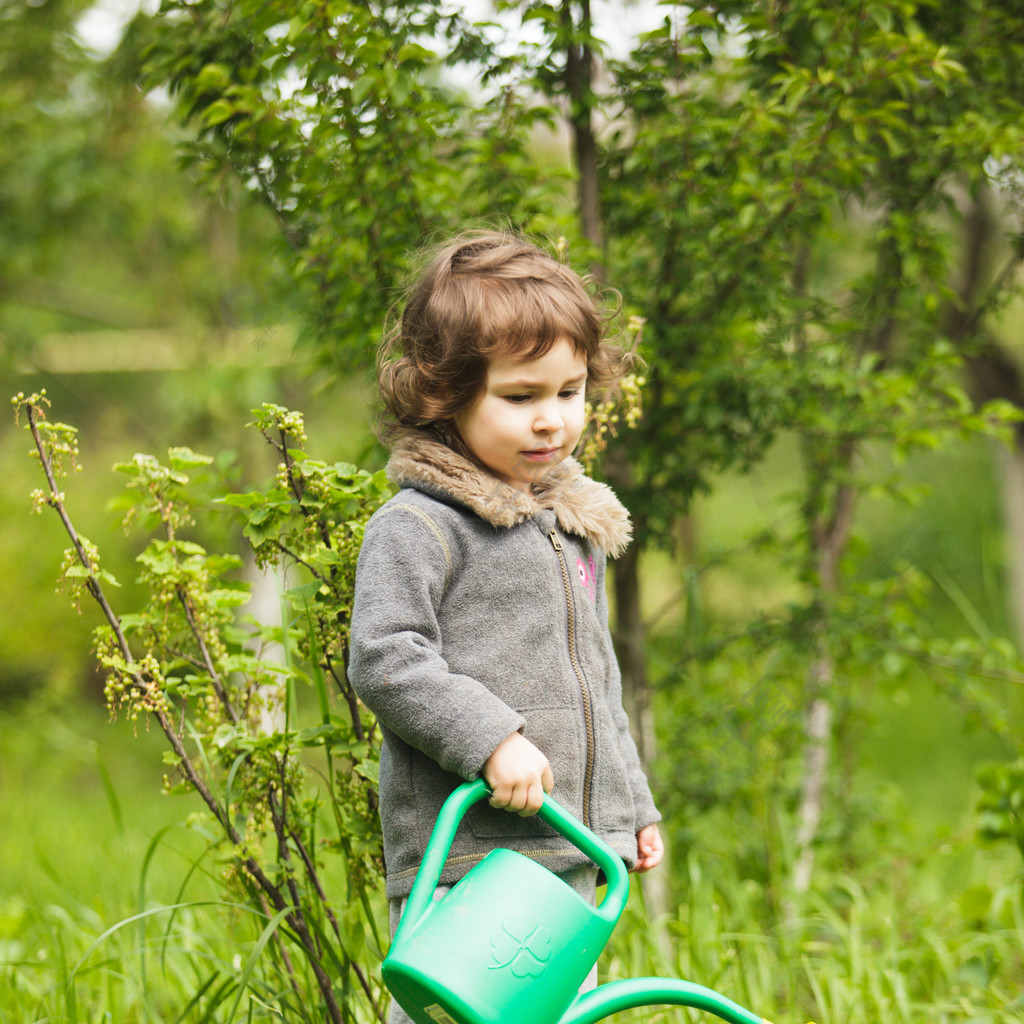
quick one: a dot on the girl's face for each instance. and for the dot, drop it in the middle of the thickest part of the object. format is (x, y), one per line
(529, 416)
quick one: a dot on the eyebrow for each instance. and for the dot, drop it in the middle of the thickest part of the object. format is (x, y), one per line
(525, 382)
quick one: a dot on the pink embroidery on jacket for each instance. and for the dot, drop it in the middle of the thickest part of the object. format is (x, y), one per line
(588, 575)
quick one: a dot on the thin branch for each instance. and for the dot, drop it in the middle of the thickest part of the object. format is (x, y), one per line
(189, 659)
(314, 878)
(297, 489)
(211, 669)
(968, 325)
(297, 918)
(345, 689)
(92, 582)
(299, 560)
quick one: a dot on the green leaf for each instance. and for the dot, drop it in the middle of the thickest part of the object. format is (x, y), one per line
(218, 112)
(250, 499)
(185, 458)
(301, 595)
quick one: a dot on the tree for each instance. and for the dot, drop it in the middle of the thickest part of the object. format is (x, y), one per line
(751, 135)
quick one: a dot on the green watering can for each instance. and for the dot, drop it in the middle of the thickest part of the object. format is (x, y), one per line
(511, 943)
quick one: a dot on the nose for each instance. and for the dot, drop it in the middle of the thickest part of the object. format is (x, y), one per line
(548, 418)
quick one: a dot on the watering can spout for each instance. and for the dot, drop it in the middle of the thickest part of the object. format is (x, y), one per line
(627, 994)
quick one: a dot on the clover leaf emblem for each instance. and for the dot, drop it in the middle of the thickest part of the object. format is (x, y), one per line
(522, 945)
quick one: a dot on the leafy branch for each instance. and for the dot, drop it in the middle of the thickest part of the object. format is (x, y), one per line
(196, 671)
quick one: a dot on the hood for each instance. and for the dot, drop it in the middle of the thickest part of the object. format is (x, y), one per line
(582, 506)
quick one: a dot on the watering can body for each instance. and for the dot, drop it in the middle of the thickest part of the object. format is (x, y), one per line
(510, 942)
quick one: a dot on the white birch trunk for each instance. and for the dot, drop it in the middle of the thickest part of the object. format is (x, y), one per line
(817, 741)
(265, 606)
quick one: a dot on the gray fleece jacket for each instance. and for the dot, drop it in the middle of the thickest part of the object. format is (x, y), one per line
(479, 611)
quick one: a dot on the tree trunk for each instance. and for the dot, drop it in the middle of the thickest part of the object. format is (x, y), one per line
(579, 87)
(817, 744)
(993, 374)
(629, 625)
(265, 606)
(830, 537)
(629, 628)
(630, 647)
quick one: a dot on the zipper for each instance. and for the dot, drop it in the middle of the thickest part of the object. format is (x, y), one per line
(588, 710)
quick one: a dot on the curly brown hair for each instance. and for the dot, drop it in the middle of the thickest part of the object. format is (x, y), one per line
(479, 295)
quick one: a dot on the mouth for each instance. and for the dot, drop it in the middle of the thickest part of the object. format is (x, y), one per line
(540, 454)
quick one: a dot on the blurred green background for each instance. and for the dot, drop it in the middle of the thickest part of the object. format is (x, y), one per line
(155, 313)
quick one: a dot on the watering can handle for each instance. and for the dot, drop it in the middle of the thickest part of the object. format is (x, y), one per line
(553, 813)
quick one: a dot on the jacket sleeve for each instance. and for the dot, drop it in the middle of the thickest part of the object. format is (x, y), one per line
(643, 802)
(396, 657)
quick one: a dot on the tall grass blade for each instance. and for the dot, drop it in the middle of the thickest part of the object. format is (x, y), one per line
(253, 959)
(108, 788)
(216, 999)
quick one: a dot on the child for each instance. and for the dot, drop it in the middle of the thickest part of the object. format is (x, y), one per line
(480, 623)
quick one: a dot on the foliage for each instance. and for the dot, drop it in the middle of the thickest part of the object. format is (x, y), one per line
(748, 142)
(102, 934)
(235, 721)
(780, 187)
(339, 117)
(84, 158)
(748, 139)
(1001, 805)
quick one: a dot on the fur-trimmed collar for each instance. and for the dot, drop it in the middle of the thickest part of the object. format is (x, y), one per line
(582, 506)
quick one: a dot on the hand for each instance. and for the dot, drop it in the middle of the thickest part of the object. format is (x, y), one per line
(649, 849)
(519, 775)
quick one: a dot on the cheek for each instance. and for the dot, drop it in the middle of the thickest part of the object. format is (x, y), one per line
(493, 423)
(578, 417)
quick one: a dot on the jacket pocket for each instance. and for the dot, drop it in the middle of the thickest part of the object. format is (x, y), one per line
(612, 805)
(558, 734)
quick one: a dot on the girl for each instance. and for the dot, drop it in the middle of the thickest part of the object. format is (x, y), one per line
(480, 623)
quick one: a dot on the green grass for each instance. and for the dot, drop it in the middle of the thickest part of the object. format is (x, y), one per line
(111, 907)
(852, 953)
(88, 844)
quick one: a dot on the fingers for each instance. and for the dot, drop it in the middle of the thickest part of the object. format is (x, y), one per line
(650, 849)
(524, 796)
(518, 775)
(520, 799)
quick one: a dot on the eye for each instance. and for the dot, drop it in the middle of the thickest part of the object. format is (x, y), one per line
(517, 399)
(568, 392)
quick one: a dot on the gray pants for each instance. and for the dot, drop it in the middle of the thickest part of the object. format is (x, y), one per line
(582, 879)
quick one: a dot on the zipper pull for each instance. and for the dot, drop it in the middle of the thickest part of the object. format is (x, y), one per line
(555, 542)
